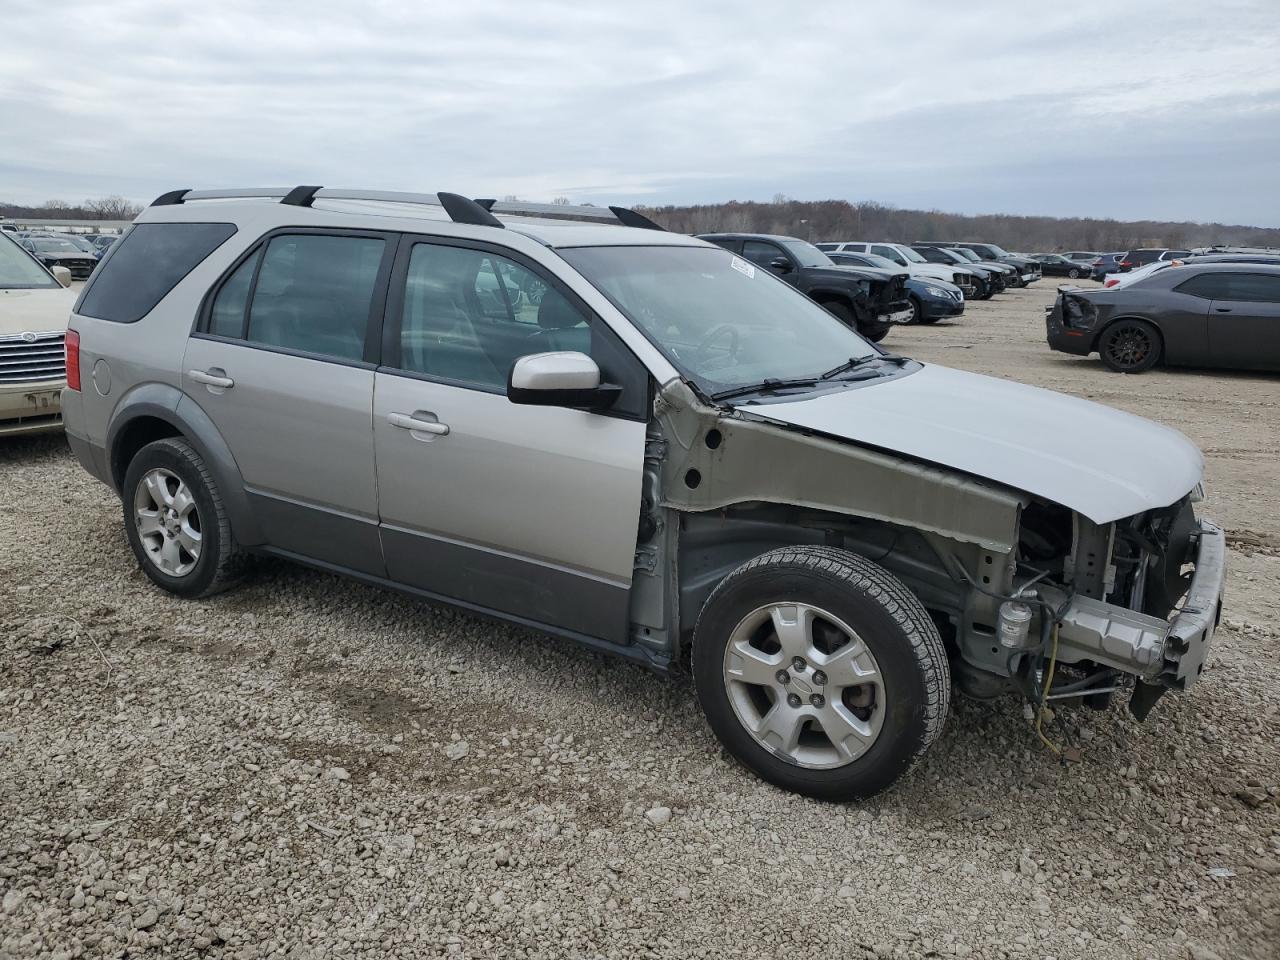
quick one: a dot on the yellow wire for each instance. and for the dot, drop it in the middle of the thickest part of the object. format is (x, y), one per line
(1048, 682)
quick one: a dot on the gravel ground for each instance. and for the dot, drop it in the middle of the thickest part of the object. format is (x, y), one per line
(308, 767)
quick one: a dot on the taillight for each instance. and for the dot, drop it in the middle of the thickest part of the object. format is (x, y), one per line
(73, 359)
(1125, 263)
(1112, 283)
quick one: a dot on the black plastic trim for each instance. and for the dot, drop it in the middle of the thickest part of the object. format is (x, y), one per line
(465, 210)
(629, 218)
(170, 199)
(301, 196)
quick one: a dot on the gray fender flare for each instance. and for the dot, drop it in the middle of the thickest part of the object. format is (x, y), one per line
(163, 401)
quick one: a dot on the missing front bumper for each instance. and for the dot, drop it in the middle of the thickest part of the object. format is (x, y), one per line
(1162, 654)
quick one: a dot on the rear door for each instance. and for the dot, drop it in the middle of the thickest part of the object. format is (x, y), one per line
(282, 362)
(529, 511)
(1244, 322)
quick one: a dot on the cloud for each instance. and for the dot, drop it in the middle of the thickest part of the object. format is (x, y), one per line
(1150, 110)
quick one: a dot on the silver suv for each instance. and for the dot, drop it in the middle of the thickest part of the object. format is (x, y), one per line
(570, 419)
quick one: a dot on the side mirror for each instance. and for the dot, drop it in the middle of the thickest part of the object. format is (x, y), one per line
(62, 275)
(780, 265)
(563, 379)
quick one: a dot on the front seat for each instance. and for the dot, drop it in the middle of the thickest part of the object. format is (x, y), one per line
(561, 326)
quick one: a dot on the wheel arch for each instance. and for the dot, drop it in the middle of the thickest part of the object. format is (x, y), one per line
(153, 411)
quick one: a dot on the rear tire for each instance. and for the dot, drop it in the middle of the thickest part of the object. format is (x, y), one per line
(175, 521)
(867, 685)
(1130, 346)
(1073, 273)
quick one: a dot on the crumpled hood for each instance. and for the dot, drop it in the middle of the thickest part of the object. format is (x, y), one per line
(1101, 462)
(37, 310)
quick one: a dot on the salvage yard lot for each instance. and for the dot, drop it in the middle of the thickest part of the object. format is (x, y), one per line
(311, 767)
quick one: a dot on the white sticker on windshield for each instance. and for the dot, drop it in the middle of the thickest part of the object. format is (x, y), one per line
(743, 267)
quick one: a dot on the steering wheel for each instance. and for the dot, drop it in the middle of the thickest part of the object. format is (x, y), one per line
(715, 334)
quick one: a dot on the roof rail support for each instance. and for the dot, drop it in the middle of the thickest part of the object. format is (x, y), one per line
(629, 218)
(301, 196)
(171, 198)
(465, 210)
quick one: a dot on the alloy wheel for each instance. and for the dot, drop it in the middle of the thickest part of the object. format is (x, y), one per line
(1129, 347)
(804, 685)
(164, 511)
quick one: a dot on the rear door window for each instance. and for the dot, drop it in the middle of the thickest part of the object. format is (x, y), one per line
(143, 267)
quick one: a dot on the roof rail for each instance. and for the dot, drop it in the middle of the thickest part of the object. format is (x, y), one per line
(565, 211)
(459, 208)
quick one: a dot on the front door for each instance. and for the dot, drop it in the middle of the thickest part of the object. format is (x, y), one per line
(281, 364)
(527, 511)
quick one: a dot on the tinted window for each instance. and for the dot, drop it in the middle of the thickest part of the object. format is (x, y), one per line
(469, 314)
(227, 317)
(146, 265)
(889, 253)
(1257, 287)
(757, 251)
(314, 294)
(1210, 286)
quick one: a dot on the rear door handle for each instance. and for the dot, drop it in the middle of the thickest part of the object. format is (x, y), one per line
(406, 422)
(211, 379)
(1222, 309)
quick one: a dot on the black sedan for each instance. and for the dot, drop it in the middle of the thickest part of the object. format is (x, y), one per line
(1210, 315)
(1056, 265)
(56, 252)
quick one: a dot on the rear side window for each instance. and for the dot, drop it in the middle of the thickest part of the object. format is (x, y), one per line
(1209, 286)
(143, 267)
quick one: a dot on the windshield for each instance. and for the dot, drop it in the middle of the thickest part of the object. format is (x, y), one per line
(965, 254)
(47, 245)
(911, 255)
(19, 270)
(722, 321)
(806, 253)
(997, 252)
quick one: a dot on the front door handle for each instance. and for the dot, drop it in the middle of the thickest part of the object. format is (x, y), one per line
(210, 379)
(1222, 309)
(407, 422)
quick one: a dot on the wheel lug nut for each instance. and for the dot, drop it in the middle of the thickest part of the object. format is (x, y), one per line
(817, 700)
(798, 663)
(793, 700)
(819, 677)
(782, 676)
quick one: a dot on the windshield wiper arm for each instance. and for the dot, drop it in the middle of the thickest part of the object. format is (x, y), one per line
(766, 385)
(853, 363)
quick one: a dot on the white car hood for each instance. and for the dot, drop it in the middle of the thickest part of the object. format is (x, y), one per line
(1101, 462)
(934, 271)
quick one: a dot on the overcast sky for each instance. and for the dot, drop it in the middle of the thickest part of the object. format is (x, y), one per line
(1138, 109)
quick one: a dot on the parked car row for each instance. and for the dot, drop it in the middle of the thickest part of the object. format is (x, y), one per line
(648, 443)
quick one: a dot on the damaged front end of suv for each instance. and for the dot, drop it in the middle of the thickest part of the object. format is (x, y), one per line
(1036, 589)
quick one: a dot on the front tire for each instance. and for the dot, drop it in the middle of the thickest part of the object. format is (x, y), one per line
(1073, 273)
(175, 521)
(820, 672)
(917, 311)
(1130, 346)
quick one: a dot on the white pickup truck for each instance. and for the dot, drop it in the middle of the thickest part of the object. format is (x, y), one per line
(916, 265)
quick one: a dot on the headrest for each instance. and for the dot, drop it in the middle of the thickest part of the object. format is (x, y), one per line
(557, 313)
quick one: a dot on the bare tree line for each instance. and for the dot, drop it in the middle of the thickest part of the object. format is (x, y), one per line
(841, 220)
(106, 208)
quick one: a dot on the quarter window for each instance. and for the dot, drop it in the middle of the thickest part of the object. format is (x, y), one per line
(148, 263)
(313, 294)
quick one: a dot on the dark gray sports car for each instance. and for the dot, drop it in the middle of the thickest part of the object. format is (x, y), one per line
(1210, 315)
